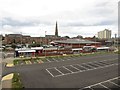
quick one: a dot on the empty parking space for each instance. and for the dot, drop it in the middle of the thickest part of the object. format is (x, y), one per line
(110, 84)
(63, 70)
(116, 81)
(112, 61)
(87, 66)
(54, 72)
(99, 64)
(71, 68)
(51, 59)
(99, 86)
(93, 65)
(103, 63)
(77, 68)
(59, 59)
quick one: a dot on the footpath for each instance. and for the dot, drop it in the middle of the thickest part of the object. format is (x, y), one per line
(6, 81)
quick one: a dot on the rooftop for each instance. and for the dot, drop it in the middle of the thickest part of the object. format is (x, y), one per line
(75, 41)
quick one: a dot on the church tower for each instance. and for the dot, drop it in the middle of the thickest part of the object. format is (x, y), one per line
(56, 30)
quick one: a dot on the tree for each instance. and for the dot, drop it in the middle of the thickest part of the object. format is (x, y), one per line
(67, 37)
(79, 36)
(13, 46)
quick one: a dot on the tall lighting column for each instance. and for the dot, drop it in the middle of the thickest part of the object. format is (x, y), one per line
(45, 42)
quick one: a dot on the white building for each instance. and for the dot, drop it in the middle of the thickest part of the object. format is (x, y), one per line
(105, 34)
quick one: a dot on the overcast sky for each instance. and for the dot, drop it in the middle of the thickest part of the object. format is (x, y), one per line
(74, 17)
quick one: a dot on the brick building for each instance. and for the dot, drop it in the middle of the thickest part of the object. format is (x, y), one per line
(77, 43)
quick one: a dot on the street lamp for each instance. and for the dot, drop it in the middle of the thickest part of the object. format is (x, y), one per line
(115, 40)
(45, 42)
(21, 40)
(95, 40)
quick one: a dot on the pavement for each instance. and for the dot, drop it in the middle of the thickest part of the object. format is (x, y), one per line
(68, 73)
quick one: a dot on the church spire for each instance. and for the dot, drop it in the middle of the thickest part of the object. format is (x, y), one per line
(56, 30)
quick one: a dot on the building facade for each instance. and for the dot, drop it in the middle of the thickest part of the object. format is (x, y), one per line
(105, 34)
(77, 43)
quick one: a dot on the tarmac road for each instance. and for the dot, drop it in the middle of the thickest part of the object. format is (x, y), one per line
(36, 75)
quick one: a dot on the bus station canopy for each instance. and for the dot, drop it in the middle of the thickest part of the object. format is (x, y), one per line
(22, 51)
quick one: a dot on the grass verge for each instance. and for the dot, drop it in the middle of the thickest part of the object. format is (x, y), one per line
(16, 82)
(16, 62)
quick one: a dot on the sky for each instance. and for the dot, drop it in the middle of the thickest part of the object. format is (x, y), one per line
(74, 17)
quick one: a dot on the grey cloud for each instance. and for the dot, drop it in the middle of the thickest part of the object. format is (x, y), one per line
(12, 22)
(28, 22)
(78, 24)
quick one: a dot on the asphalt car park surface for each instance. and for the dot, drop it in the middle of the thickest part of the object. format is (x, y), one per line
(48, 60)
(69, 72)
(113, 83)
(77, 68)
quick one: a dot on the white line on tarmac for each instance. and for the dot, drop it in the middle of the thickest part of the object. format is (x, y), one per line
(75, 67)
(83, 67)
(49, 72)
(48, 60)
(62, 59)
(89, 65)
(55, 59)
(95, 63)
(104, 86)
(83, 70)
(114, 83)
(101, 82)
(59, 71)
(68, 69)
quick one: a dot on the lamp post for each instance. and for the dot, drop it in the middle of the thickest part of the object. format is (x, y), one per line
(95, 40)
(45, 42)
(21, 43)
(21, 40)
(115, 40)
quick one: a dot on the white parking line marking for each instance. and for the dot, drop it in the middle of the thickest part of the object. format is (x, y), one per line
(82, 70)
(56, 60)
(80, 66)
(90, 66)
(105, 60)
(48, 60)
(68, 69)
(91, 89)
(104, 86)
(75, 68)
(59, 71)
(95, 63)
(83, 67)
(63, 60)
(114, 83)
(49, 72)
(101, 82)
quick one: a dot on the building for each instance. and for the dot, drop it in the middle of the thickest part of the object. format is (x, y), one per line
(22, 39)
(13, 38)
(76, 43)
(105, 34)
(26, 39)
